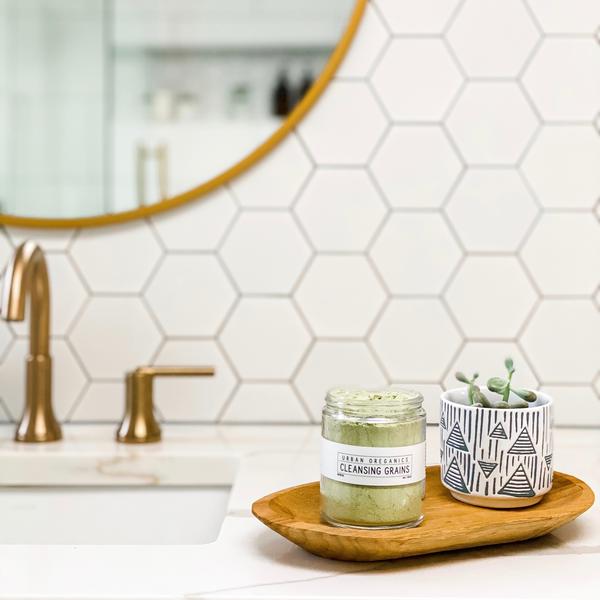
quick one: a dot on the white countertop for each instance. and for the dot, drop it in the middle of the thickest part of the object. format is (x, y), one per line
(250, 561)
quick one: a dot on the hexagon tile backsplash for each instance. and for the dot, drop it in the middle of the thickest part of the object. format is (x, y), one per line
(438, 208)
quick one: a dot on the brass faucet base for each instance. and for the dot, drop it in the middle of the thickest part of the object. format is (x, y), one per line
(38, 423)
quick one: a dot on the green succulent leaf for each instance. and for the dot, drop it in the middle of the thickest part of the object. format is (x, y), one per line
(461, 377)
(501, 404)
(497, 384)
(509, 364)
(471, 393)
(518, 404)
(480, 398)
(526, 395)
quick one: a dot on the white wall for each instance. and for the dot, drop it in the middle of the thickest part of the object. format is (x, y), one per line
(51, 98)
(227, 24)
(437, 209)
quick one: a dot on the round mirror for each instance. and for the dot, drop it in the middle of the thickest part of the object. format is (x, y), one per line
(115, 109)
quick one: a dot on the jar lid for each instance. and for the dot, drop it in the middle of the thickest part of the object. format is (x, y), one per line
(376, 403)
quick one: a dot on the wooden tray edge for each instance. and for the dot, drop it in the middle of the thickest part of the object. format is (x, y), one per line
(262, 510)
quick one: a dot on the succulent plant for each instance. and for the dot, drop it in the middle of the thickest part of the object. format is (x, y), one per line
(475, 395)
(498, 385)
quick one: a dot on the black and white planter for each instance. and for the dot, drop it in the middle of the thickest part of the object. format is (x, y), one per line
(497, 458)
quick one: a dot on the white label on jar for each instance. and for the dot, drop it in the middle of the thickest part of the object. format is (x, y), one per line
(363, 465)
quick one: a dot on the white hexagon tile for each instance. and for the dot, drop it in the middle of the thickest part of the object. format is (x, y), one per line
(415, 340)
(265, 403)
(415, 253)
(345, 125)
(199, 226)
(100, 402)
(340, 210)
(113, 336)
(265, 338)
(562, 166)
(574, 399)
(416, 166)
(416, 79)
(491, 297)
(421, 17)
(190, 294)
(265, 252)
(438, 208)
(491, 38)
(563, 254)
(483, 206)
(566, 16)
(561, 79)
(118, 258)
(340, 296)
(492, 122)
(557, 330)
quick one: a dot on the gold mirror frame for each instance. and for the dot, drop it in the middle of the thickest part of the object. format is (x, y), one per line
(338, 54)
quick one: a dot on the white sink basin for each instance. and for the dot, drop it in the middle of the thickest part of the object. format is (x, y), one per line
(111, 514)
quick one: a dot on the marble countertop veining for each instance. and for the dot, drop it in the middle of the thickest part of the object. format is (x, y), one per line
(250, 561)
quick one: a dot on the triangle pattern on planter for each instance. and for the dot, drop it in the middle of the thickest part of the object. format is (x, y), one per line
(499, 433)
(487, 467)
(523, 444)
(456, 439)
(548, 459)
(518, 485)
(443, 423)
(454, 478)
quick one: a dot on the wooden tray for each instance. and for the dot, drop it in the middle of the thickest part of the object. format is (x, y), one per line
(448, 524)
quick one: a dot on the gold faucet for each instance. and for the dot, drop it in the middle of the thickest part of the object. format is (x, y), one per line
(26, 273)
(139, 425)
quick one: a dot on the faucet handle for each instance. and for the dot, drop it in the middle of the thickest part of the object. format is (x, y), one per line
(173, 371)
(139, 425)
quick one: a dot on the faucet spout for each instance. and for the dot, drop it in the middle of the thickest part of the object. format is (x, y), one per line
(27, 274)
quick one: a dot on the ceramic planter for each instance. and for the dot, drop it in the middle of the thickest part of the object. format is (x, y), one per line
(497, 458)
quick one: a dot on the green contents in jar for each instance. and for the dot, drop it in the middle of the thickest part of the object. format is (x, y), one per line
(368, 420)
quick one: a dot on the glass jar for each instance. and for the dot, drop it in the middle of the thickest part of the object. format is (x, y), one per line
(373, 458)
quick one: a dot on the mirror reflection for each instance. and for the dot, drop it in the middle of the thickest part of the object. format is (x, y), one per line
(107, 105)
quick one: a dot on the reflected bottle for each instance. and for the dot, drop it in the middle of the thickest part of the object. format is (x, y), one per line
(305, 84)
(281, 98)
(239, 101)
